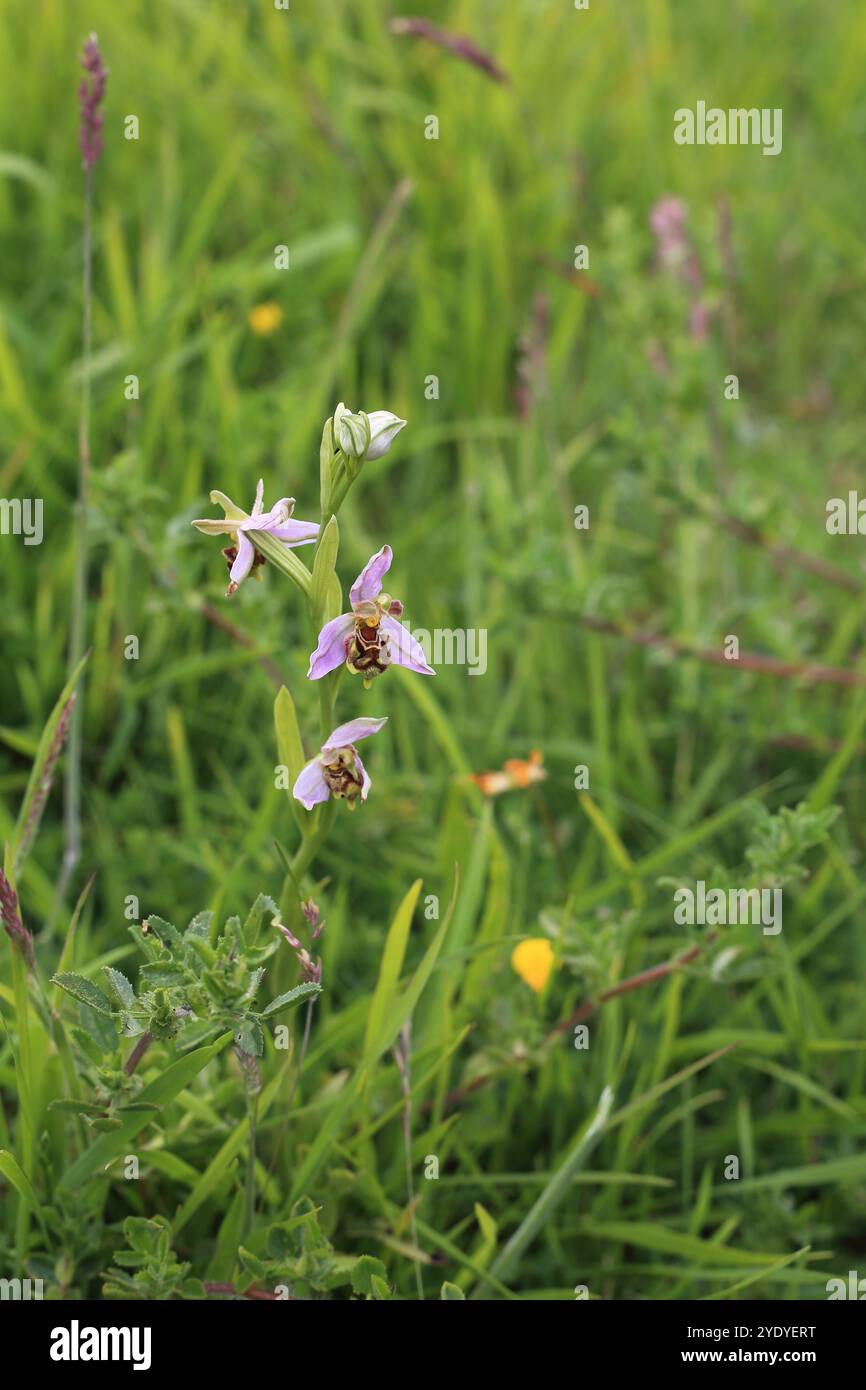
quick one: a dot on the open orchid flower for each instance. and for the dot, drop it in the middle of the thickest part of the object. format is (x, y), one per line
(369, 638)
(243, 556)
(338, 770)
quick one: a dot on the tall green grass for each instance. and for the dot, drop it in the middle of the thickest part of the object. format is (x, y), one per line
(413, 258)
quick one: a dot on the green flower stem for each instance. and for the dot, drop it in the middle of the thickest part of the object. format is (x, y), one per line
(340, 493)
(335, 487)
(335, 490)
(25, 1082)
(306, 853)
(327, 699)
(78, 624)
(250, 1196)
(137, 1053)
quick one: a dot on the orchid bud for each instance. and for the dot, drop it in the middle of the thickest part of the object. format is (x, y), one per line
(351, 432)
(384, 428)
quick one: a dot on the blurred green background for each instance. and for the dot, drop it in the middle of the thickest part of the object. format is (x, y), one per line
(412, 258)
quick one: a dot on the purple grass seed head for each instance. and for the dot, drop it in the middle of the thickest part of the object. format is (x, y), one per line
(91, 93)
(15, 928)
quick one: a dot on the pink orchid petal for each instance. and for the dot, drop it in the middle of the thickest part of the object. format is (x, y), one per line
(331, 651)
(244, 561)
(366, 783)
(403, 650)
(347, 734)
(369, 581)
(260, 492)
(310, 786)
(295, 532)
(275, 516)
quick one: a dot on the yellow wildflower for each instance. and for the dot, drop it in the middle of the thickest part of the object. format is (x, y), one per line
(533, 961)
(265, 319)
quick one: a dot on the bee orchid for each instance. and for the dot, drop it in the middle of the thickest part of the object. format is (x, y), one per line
(243, 556)
(338, 770)
(369, 639)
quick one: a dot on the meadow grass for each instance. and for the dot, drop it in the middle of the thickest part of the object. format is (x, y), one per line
(410, 258)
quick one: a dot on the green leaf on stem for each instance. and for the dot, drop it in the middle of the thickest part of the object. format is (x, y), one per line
(323, 569)
(120, 985)
(326, 466)
(290, 750)
(85, 991)
(290, 1000)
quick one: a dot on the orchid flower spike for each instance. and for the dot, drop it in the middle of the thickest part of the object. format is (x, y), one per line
(243, 556)
(338, 770)
(369, 638)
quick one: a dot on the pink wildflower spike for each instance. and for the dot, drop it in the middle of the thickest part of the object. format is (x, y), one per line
(369, 639)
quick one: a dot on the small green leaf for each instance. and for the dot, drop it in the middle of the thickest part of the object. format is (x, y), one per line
(291, 999)
(290, 749)
(163, 973)
(202, 949)
(256, 977)
(250, 1038)
(257, 1268)
(130, 1027)
(324, 564)
(85, 991)
(326, 466)
(199, 927)
(168, 934)
(366, 1269)
(102, 1030)
(120, 985)
(89, 1046)
(76, 1107)
(142, 1234)
(262, 903)
(452, 1291)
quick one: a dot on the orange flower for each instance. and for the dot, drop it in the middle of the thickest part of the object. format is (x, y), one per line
(532, 959)
(517, 772)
